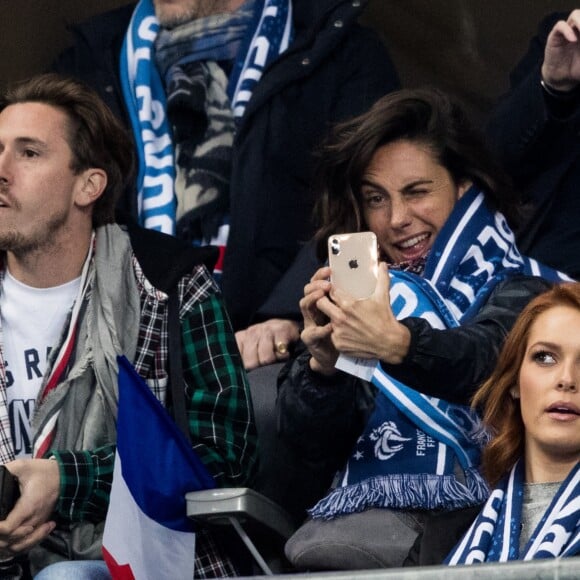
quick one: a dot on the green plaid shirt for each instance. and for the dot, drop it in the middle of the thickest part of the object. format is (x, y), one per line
(219, 407)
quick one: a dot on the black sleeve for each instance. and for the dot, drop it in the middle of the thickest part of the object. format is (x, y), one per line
(321, 416)
(451, 364)
(283, 301)
(527, 124)
(319, 420)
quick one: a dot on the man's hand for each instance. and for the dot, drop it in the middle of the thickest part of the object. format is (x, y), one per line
(561, 66)
(267, 342)
(29, 522)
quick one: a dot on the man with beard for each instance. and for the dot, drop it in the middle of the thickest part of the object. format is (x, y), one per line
(227, 100)
(76, 291)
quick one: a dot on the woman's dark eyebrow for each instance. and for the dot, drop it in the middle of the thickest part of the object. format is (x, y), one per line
(416, 183)
(407, 187)
(371, 184)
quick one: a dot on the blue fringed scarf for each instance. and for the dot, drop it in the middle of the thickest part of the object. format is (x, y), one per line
(494, 535)
(412, 446)
(145, 99)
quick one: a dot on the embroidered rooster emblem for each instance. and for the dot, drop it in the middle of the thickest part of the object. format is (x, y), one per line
(388, 440)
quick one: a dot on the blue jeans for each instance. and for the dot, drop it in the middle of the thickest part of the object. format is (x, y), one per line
(77, 570)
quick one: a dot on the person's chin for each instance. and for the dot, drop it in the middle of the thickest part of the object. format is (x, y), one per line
(171, 17)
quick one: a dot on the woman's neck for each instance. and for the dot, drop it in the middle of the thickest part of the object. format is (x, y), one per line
(549, 469)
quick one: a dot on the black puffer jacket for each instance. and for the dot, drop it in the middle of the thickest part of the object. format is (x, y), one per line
(333, 70)
(320, 418)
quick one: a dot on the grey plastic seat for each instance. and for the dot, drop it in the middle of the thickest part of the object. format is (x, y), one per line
(261, 524)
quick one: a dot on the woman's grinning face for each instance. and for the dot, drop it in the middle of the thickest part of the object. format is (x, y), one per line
(407, 196)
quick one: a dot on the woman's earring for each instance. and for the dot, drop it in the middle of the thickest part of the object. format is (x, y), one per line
(515, 392)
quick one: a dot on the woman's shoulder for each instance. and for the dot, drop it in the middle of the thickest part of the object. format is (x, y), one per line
(518, 286)
(509, 298)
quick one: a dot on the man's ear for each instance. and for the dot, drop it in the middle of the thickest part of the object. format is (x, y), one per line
(92, 183)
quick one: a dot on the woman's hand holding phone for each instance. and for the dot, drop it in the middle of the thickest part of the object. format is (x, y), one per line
(317, 328)
(367, 328)
(353, 314)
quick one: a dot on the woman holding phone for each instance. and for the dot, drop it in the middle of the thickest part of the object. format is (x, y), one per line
(450, 285)
(531, 403)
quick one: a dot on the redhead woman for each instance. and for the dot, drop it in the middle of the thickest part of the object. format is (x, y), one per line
(452, 281)
(531, 402)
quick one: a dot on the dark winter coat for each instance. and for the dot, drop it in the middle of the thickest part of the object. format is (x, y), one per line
(333, 70)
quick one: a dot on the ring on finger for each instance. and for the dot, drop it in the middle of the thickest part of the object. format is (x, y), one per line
(281, 348)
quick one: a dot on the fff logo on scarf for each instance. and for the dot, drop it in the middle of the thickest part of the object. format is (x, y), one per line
(388, 440)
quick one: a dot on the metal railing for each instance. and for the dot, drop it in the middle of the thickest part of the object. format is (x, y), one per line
(553, 569)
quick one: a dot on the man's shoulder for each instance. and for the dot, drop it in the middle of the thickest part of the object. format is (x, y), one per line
(101, 28)
(165, 260)
(94, 40)
(307, 13)
(117, 17)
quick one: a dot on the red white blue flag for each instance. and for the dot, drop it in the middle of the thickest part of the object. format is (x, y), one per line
(147, 533)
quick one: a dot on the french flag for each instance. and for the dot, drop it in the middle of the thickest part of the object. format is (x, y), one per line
(147, 533)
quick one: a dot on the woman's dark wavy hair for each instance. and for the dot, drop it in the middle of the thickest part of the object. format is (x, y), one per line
(95, 136)
(425, 116)
(501, 412)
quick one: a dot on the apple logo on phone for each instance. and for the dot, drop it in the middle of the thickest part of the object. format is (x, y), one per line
(353, 264)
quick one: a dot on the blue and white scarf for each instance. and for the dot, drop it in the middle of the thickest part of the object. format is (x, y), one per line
(409, 452)
(494, 536)
(145, 99)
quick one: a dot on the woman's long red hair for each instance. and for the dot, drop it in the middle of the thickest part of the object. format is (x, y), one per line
(501, 412)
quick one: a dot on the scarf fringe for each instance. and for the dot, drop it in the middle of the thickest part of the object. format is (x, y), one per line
(404, 491)
(476, 485)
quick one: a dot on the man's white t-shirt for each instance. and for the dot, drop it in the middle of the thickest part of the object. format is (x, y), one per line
(32, 322)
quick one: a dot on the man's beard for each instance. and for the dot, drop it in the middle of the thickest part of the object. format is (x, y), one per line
(20, 244)
(193, 11)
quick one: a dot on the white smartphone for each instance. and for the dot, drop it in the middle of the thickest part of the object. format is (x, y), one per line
(354, 264)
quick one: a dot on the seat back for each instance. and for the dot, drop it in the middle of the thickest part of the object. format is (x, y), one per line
(285, 478)
(263, 390)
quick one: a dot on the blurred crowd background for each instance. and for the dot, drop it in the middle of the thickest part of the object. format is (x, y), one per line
(466, 47)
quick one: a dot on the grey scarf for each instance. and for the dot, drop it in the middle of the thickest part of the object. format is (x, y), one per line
(86, 401)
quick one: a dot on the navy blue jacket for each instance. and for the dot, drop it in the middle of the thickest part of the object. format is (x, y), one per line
(537, 139)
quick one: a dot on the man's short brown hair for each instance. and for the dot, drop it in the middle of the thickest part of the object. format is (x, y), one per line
(95, 136)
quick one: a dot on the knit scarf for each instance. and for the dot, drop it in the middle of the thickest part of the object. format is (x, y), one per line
(420, 452)
(267, 35)
(77, 407)
(494, 535)
(189, 59)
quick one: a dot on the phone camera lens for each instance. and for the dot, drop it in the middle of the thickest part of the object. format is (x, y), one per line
(335, 247)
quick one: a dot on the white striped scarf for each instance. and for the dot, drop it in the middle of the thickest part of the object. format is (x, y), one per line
(145, 99)
(495, 533)
(408, 454)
